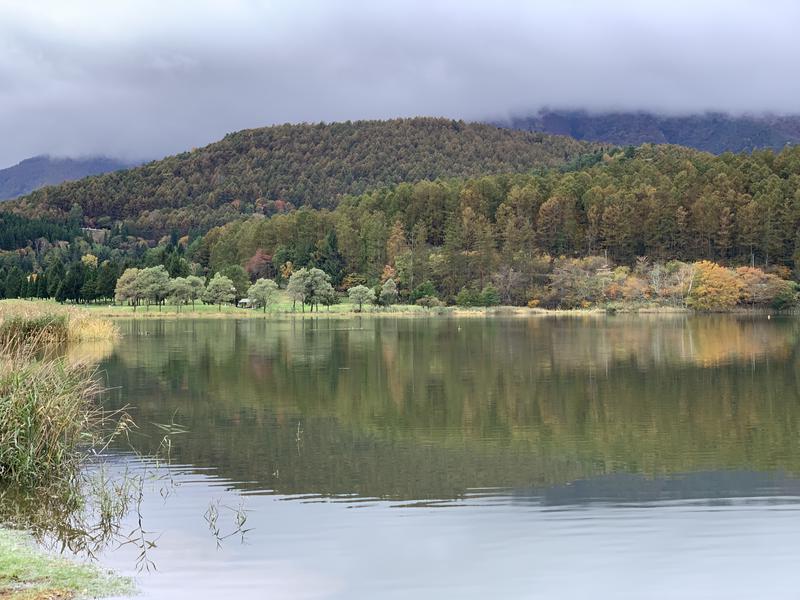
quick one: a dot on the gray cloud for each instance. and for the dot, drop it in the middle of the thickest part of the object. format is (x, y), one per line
(147, 78)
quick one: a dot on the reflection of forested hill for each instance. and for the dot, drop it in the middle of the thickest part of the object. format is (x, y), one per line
(427, 408)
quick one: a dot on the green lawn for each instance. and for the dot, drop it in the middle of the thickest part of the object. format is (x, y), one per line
(281, 308)
(28, 573)
(203, 310)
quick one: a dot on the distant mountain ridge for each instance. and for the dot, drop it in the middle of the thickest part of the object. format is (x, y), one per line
(39, 171)
(710, 132)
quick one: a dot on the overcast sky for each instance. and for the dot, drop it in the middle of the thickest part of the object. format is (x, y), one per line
(146, 78)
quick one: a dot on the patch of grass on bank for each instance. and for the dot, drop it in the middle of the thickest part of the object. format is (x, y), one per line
(31, 321)
(344, 310)
(284, 308)
(278, 310)
(27, 573)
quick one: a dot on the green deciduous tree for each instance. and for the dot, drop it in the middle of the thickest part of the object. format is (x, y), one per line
(219, 291)
(308, 286)
(180, 292)
(128, 288)
(197, 286)
(296, 288)
(241, 282)
(328, 296)
(490, 296)
(155, 284)
(360, 295)
(263, 293)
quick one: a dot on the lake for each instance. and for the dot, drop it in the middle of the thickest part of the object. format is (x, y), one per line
(604, 457)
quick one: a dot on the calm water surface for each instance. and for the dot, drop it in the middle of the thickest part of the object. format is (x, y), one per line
(506, 458)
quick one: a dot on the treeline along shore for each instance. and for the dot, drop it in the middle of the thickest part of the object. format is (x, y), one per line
(588, 283)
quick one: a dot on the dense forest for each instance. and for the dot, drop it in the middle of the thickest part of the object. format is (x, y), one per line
(665, 203)
(624, 224)
(711, 132)
(273, 169)
(17, 232)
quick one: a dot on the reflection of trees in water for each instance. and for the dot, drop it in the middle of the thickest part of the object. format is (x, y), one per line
(658, 340)
(421, 408)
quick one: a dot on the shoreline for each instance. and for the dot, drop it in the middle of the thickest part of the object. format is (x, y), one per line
(344, 312)
(283, 311)
(30, 572)
(410, 311)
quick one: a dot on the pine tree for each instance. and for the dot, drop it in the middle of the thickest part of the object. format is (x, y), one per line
(14, 281)
(41, 286)
(329, 259)
(55, 276)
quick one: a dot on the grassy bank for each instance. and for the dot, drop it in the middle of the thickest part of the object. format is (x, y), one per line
(345, 310)
(105, 313)
(336, 311)
(28, 573)
(36, 322)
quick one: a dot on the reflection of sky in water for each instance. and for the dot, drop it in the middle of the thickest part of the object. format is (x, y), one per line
(488, 545)
(541, 458)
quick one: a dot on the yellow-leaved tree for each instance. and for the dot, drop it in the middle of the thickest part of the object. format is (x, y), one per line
(713, 288)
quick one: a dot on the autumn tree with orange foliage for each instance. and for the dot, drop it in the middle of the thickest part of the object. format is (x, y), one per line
(713, 288)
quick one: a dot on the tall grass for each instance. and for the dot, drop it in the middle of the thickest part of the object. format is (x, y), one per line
(54, 436)
(48, 409)
(47, 414)
(32, 322)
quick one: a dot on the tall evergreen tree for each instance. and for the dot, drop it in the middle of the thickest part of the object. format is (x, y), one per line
(329, 259)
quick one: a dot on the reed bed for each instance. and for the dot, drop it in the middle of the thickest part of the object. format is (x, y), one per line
(47, 414)
(32, 322)
(48, 410)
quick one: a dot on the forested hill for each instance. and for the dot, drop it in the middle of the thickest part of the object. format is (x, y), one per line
(268, 170)
(635, 225)
(33, 173)
(711, 132)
